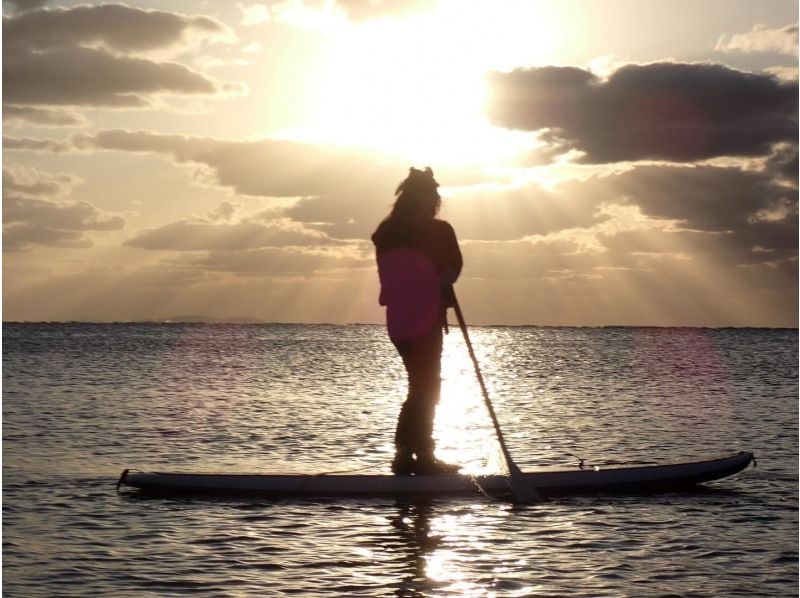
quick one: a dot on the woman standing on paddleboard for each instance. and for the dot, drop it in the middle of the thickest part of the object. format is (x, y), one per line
(418, 261)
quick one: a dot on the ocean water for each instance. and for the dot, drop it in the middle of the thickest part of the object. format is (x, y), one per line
(82, 402)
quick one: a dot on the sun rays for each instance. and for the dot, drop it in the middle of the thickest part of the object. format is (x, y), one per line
(416, 88)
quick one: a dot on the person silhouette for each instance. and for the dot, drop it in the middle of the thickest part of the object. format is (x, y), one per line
(418, 262)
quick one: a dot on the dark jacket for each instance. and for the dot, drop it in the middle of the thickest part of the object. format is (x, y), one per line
(417, 266)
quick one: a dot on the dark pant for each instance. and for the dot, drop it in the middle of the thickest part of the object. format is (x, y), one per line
(423, 360)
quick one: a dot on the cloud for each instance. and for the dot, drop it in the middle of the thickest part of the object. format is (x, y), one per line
(752, 207)
(749, 215)
(510, 213)
(787, 73)
(629, 267)
(265, 168)
(253, 48)
(41, 116)
(224, 212)
(19, 237)
(86, 77)
(30, 182)
(761, 38)
(91, 56)
(342, 192)
(732, 213)
(38, 144)
(726, 252)
(35, 213)
(306, 14)
(705, 198)
(186, 235)
(362, 10)
(275, 261)
(654, 236)
(254, 14)
(25, 5)
(783, 163)
(660, 111)
(116, 27)
(656, 226)
(323, 14)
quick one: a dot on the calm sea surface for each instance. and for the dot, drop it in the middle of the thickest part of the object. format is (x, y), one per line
(82, 402)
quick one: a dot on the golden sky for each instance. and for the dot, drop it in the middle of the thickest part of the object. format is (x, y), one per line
(603, 162)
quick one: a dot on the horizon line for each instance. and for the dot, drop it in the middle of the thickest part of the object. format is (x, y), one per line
(257, 322)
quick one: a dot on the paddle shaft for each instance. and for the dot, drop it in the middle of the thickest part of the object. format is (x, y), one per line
(512, 467)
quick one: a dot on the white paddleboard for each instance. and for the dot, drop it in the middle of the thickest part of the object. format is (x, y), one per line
(547, 481)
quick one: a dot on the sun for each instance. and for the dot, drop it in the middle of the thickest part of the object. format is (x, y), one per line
(416, 88)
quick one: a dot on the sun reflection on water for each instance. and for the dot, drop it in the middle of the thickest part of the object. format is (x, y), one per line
(442, 566)
(463, 431)
(443, 547)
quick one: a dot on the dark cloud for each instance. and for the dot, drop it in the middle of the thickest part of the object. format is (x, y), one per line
(88, 77)
(113, 26)
(82, 56)
(705, 198)
(35, 213)
(19, 237)
(25, 5)
(740, 216)
(660, 111)
(783, 163)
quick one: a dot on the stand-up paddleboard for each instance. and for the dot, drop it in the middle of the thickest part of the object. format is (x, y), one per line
(547, 481)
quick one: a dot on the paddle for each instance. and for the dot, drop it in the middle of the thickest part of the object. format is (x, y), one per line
(523, 491)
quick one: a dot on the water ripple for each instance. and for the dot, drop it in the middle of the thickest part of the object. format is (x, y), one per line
(82, 402)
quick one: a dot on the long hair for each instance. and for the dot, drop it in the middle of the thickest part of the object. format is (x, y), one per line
(417, 196)
(417, 201)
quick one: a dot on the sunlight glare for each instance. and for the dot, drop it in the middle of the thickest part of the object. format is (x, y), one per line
(464, 433)
(416, 87)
